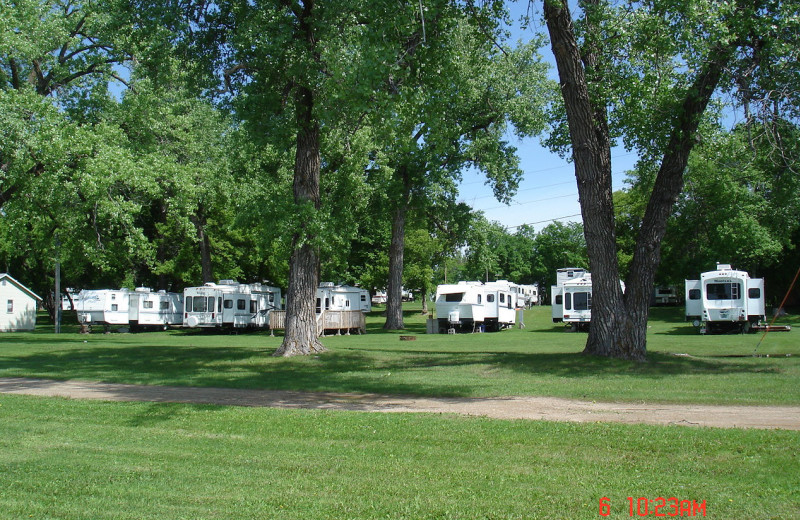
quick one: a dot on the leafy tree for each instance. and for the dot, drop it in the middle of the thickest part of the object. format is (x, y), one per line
(449, 105)
(658, 72)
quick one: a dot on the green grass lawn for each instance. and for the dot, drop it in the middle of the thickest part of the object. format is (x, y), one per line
(65, 459)
(541, 359)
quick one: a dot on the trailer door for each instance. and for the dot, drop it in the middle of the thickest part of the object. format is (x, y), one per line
(755, 297)
(694, 300)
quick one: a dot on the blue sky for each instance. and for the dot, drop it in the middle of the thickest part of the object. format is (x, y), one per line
(548, 190)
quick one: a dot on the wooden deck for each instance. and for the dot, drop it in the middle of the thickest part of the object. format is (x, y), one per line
(336, 322)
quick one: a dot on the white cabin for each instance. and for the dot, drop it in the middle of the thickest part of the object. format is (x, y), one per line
(332, 297)
(230, 304)
(141, 308)
(724, 300)
(20, 303)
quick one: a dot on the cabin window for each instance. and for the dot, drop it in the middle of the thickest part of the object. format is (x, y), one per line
(114, 307)
(582, 301)
(490, 298)
(559, 300)
(253, 306)
(164, 306)
(240, 305)
(568, 301)
(228, 304)
(754, 293)
(198, 304)
(723, 291)
(319, 307)
(147, 304)
(10, 307)
(502, 298)
(694, 294)
(454, 297)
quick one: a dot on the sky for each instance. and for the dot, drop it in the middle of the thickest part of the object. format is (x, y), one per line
(548, 190)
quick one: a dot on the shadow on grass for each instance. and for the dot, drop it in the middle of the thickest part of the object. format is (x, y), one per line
(451, 374)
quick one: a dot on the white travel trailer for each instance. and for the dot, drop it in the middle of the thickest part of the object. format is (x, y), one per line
(573, 301)
(20, 304)
(460, 306)
(725, 300)
(141, 308)
(379, 298)
(563, 275)
(527, 295)
(332, 297)
(230, 304)
(500, 305)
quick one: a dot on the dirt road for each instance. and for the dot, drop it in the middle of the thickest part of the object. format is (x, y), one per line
(534, 408)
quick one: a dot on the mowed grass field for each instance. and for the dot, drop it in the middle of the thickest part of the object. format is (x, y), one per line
(541, 359)
(66, 459)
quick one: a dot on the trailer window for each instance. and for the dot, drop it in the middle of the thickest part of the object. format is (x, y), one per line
(754, 293)
(319, 306)
(490, 298)
(568, 301)
(363, 297)
(147, 304)
(559, 300)
(327, 304)
(240, 305)
(211, 304)
(454, 297)
(583, 301)
(188, 304)
(253, 306)
(10, 307)
(114, 307)
(502, 298)
(228, 304)
(347, 303)
(164, 306)
(479, 299)
(694, 294)
(219, 304)
(723, 291)
(199, 304)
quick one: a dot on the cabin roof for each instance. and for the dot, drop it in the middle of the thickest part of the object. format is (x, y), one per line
(6, 276)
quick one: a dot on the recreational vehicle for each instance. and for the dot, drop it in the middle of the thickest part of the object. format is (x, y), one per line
(500, 305)
(140, 308)
(379, 298)
(459, 307)
(725, 300)
(573, 301)
(563, 275)
(230, 304)
(332, 297)
(665, 295)
(528, 295)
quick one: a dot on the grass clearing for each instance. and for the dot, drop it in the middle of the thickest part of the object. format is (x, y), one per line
(541, 359)
(63, 459)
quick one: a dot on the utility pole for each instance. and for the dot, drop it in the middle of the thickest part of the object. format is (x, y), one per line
(57, 292)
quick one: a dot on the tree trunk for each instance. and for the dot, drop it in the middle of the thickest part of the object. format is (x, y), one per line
(394, 290)
(301, 326)
(424, 295)
(619, 322)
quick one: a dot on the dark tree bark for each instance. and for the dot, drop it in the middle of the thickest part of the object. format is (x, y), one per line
(301, 325)
(204, 246)
(619, 321)
(394, 289)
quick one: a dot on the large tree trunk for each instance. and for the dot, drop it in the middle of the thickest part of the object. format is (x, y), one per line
(301, 326)
(394, 290)
(619, 322)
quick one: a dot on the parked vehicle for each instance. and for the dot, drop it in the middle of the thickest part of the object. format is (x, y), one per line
(725, 300)
(572, 299)
(129, 310)
(332, 297)
(474, 307)
(230, 304)
(665, 295)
